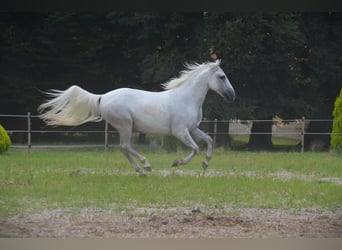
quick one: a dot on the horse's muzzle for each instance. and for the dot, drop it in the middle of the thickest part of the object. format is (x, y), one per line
(229, 95)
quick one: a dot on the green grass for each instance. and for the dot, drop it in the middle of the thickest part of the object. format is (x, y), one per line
(51, 179)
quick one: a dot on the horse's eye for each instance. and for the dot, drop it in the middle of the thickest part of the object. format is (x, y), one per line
(222, 77)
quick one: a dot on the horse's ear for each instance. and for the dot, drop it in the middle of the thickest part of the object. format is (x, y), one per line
(218, 61)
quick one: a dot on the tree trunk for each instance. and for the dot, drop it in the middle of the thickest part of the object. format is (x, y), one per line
(316, 141)
(222, 137)
(261, 135)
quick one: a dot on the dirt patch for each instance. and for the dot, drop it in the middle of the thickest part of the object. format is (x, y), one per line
(196, 222)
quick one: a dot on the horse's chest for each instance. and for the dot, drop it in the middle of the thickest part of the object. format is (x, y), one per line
(192, 118)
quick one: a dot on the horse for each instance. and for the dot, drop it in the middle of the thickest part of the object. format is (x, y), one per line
(176, 110)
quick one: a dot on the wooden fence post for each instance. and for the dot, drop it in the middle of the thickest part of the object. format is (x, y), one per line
(215, 131)
(303, 134)
(106, 136)
(228, 136)
(29, 145)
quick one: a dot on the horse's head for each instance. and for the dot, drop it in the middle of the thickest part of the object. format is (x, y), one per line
(219, 82)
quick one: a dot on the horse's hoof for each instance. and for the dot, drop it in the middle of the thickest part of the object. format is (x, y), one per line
(205, 165)
(141, 174)
(148, 168)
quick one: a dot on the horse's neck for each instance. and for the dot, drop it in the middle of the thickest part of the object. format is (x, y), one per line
(195, 90)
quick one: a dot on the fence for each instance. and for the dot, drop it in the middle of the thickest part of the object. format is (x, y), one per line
(28, 131)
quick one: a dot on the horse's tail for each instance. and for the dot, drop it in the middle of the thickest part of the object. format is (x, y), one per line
(70, 107)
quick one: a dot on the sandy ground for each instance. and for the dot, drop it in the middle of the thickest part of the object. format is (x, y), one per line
(195, 222)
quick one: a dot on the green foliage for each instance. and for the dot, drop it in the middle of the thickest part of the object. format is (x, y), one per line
(274, 60)
(336, 136)
(5, 141)
(259, 52)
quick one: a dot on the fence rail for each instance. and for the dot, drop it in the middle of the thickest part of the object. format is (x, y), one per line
(28, 131)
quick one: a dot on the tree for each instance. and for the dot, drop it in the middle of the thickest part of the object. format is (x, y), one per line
(154, 44)
(323, 69)
(279, 63)
(260, 52)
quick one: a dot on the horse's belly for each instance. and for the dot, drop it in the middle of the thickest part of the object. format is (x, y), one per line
(152, 121)
(151, 129)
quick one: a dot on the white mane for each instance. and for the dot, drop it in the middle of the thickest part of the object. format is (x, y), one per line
(185, 74)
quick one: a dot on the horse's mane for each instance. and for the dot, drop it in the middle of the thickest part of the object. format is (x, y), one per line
(185, 74)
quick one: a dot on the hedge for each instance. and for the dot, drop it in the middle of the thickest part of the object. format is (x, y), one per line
(336, 136)
(5, 141)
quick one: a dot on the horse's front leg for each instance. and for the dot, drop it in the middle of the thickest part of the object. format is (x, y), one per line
(186, 138)
(200, 135)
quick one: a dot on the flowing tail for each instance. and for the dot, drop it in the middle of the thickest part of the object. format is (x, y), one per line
(70, 107)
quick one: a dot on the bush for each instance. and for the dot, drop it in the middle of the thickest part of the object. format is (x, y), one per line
(5, 141)
(336, 136)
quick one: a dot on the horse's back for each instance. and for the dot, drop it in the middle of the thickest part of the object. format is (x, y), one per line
(127, 98)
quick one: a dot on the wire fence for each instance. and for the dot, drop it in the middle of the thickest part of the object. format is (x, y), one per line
(28, 131)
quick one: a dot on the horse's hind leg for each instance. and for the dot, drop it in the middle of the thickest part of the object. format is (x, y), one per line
(124, 127)
(143, 160)
(125, 151)
(125, 132)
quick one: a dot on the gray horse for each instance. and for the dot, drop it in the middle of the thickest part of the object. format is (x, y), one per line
(176, 111)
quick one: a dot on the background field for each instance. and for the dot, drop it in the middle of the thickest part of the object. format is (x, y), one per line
(77, 179)
(89, 193)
